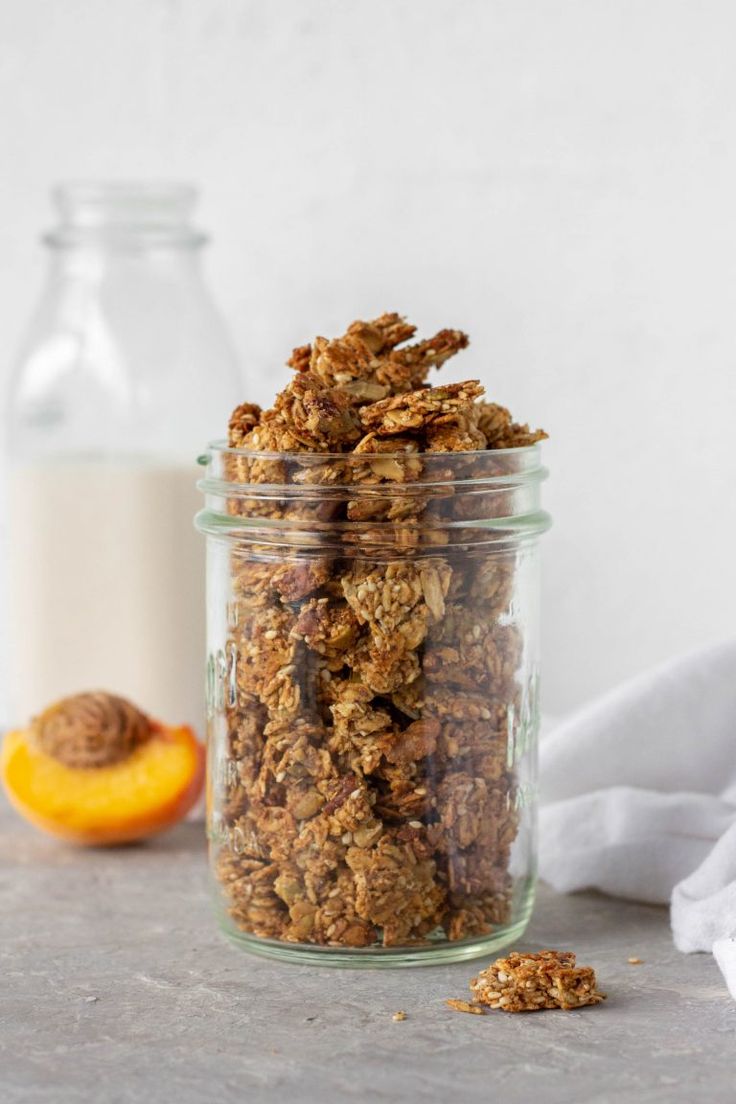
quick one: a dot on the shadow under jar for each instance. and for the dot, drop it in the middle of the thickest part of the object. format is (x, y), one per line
(372, 692)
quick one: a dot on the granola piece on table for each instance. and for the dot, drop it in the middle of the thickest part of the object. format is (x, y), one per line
(533, 982)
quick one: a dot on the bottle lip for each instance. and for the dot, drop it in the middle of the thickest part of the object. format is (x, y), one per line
(125, 211)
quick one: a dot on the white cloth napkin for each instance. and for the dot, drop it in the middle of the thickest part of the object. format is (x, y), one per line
(639, 798)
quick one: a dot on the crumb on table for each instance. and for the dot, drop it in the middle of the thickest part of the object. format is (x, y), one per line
(465, 1006)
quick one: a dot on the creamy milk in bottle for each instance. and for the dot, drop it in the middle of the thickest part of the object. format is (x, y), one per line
(107, 586)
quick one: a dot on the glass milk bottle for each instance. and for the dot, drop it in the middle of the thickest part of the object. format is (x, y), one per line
(125, 370)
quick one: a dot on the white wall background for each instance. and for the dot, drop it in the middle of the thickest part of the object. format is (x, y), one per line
(556, 176)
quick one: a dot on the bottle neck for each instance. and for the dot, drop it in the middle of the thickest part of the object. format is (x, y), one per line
(95, 260)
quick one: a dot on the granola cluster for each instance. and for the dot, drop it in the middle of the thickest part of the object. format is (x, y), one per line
(534, 982)
(369, 796)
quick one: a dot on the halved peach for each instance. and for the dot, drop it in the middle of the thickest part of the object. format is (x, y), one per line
(146, 792)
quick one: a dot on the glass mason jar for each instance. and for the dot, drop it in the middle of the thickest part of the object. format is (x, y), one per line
(372, 701)
(125, 365)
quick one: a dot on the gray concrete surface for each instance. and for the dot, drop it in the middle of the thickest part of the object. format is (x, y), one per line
(115, 986)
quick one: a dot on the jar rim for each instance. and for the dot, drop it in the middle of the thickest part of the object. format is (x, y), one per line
(221, 446)
(496, 491)
(486, 468)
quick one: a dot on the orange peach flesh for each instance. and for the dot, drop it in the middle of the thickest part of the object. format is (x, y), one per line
(146, 793)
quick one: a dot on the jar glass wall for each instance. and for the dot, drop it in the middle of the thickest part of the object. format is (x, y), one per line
(373, 701)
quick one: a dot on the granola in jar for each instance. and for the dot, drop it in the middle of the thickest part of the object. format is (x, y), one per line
(372, 677)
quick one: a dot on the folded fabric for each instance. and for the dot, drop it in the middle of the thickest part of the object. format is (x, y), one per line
(639, 798)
